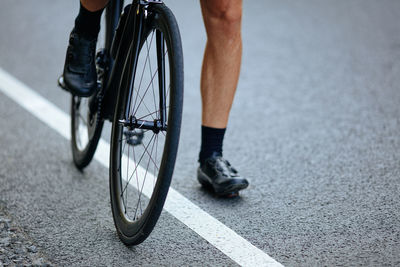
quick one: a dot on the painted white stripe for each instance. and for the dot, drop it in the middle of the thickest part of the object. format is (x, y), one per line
(209, 228)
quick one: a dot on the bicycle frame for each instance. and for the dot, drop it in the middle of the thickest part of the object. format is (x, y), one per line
(129, 43)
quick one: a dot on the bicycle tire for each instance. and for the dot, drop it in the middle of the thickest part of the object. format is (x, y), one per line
(83, 154)
(132, 227)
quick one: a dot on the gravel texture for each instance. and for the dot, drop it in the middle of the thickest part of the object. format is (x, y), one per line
(16, 248)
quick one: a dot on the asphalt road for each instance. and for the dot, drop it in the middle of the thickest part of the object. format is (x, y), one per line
(315, 128)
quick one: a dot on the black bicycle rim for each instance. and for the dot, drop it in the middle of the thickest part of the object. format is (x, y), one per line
(135, 223)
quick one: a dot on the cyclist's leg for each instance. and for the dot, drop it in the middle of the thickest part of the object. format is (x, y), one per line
(219, 78)
(86, 123)
(88, 20)
(94, 5)
(222, 59)
(79, 73)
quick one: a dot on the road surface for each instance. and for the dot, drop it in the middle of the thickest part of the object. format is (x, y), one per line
(314, 127)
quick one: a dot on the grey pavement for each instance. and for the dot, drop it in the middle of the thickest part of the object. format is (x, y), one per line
(315, 128)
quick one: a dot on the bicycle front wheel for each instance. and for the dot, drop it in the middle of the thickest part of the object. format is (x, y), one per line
(146, 126)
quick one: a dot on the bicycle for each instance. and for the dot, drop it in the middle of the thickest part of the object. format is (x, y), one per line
(143, 102)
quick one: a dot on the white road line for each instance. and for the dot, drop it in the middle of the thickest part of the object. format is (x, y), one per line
(209, 228)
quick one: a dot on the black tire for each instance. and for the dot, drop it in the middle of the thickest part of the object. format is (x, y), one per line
(135, 222)
(84, 125)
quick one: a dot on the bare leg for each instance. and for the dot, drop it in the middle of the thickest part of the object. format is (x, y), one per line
(94, 5)
(222, 59)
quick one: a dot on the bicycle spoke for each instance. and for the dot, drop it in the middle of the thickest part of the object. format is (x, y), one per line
(148, 110)
(150, 83)
(144, 181)
(83, 119)
(144, 99)
(145, 149)
(147, 59)
(144, 68)
(137, 177)
(144, 116)
(135, 107)
(154, 96)
(137, 165)
(141, 100)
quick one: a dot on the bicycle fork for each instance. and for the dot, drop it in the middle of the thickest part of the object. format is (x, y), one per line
(138, 16)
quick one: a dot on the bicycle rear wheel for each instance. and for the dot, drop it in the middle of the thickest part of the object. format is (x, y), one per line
(86, 120)
(86, 130)
(149, 105)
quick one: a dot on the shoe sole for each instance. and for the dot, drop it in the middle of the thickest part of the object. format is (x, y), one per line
(61, 83)
(228, 191)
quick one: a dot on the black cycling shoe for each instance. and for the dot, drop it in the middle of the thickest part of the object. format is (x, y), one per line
(218, 174)
(79, 76)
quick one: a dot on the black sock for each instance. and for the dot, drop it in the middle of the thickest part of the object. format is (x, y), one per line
(211, 142)
(87, 23)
